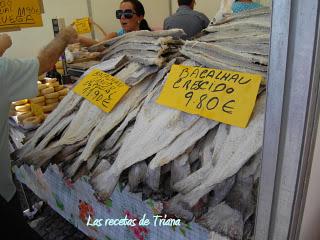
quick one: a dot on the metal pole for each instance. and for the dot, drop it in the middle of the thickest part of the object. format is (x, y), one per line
(290, 93)
(90, 12)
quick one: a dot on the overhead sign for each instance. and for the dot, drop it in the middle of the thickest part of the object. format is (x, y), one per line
(82, 25)
(15, 14)
(220, 95)
(101, 89)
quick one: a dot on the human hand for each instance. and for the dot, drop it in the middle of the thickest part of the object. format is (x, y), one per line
(5, 41)
(69, 34)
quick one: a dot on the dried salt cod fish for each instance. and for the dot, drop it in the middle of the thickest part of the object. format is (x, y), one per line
(175, 33)
(241, 198)
(240, 145)
(217, 236)
(224, 220)
(69, 150)
(195, 179)
(153, 179)
(224, 54)
(220, 191)
(244, 15)
(261, 24)
(155, 127)
(82, 124)
(258, 49)
(40, 158)
(208, 61)
(54, 132)
(180, 169)
(111, 141)
(112, 119)
(65, 107)
(107, 123)
(104, 165)
(182, 142)
(137, 175)
(225, 10)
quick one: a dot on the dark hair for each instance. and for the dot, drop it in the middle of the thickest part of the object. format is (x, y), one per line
(184, 2)
(139, 9)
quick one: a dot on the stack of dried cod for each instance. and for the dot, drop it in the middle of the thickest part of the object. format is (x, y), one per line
(145, 47)
(199, 169)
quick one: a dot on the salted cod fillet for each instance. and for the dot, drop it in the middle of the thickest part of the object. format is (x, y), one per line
(240, 145)
(155, 128)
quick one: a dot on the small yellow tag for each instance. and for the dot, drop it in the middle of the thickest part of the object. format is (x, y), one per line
(82, 25)
(101, 89)
(220, 95)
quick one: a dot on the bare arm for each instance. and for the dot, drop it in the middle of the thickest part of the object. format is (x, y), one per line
(87, 42)
(5, 43)
(51, 53)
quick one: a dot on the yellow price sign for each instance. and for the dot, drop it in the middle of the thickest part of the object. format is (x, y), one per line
(20, 14)
(101, 89)
(220, 95)
(82, 25)
(37, 110)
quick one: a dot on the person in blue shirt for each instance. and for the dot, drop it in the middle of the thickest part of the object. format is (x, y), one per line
(131, 17)
(244, 5)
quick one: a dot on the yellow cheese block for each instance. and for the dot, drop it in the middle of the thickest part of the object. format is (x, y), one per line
(50, 80)
(20, 102)
(47, 90)
(58, 88)
(41, 86)
(52, 95)
(22, 117)
(37, 99)
(31, 122)
(49, 108)
(23, 108)
(54, 84)
(63, 92)
(51, 100)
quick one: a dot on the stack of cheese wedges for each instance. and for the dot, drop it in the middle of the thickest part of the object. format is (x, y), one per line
(50, 93)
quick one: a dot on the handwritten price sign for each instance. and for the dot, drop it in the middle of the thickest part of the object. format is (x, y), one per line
(82, 25)
(101, 89)
(223, 96)
(20, 14)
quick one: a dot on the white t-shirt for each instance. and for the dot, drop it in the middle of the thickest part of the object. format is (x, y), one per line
(18, 80)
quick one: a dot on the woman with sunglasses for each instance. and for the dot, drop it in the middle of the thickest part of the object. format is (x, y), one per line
(131, 16)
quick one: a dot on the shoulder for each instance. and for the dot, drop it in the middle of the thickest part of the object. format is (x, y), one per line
(200, 15)
(8, 63)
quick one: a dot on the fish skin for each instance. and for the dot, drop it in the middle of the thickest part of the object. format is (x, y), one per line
(224, 220)
(55, 131)
(195, 179)
(242, 145)
(182, 142)
(112, 119)
(180, 169)
(175, 33)
(150, 120)
(137, 174)
(82, 124)
(104, 165)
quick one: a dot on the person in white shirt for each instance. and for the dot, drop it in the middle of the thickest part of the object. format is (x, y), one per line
(18, 80)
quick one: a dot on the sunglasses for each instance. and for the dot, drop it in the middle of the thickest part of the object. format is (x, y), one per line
(128, 13)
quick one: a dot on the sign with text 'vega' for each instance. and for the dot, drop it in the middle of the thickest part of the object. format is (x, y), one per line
(220, 95)
(82, 25)
(101, 89)
(20, 13)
